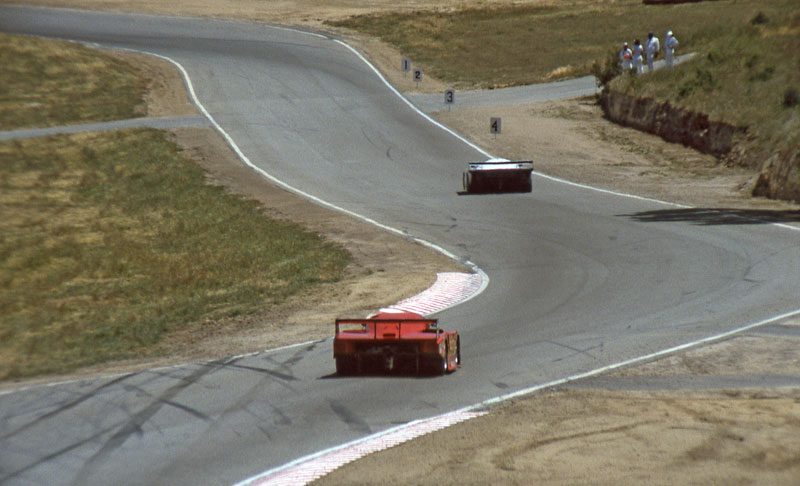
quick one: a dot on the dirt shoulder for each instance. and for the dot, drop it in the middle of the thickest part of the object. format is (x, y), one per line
(565, 436)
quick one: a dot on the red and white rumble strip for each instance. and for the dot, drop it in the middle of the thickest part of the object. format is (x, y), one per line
(307, 469)
(449, 289)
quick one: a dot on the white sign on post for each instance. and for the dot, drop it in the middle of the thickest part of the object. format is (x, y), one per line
(494, 125)
(449, 96)
(417, 75)
(406, 65)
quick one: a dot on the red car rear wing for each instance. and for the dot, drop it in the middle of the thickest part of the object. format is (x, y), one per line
(386, 328)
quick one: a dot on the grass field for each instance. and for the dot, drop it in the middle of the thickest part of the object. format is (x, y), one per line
(48, 82)
(110, 241)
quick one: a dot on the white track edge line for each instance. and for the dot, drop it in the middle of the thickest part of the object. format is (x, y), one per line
(246, 160)
(293, 189)
(622, 364)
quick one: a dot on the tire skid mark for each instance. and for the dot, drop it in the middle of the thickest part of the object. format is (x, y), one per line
(267, 371)
(300, 353)
(172, 403)
(140, 418)
(56, 454)
(243, 404)
(356, 423)
(67, 406)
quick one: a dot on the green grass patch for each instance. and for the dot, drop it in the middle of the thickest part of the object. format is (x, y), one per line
(48, 83)
(109, 241)
(523, 44)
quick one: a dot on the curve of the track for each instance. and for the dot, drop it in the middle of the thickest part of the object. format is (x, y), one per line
(579, 279)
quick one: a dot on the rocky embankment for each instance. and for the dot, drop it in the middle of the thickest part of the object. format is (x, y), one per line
(779, 172)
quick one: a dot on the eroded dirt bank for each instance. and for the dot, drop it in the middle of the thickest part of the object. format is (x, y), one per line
(778, 172)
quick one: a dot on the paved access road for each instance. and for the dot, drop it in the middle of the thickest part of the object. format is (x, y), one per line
(578, 279)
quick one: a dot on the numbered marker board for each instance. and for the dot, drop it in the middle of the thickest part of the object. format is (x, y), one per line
(406, 65)
(417, 75)
(449, 96)
(495, 125)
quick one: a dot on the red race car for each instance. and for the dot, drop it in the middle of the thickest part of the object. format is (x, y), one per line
(396, 342)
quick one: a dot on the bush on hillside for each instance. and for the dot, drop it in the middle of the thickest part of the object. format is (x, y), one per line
(791, 98)
(606, 69)
(759, 19)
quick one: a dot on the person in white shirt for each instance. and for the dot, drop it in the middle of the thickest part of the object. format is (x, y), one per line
(651, 50)
(670, 44)
(626, 57)
(638, 50)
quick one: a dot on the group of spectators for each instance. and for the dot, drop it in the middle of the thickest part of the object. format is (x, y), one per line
(633, 58)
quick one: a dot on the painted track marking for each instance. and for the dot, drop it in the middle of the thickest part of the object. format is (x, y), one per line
(449, 289)
(306, 469)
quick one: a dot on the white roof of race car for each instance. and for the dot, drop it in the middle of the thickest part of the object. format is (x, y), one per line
(501, 164)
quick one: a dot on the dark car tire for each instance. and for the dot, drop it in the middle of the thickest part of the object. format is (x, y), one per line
(346, 366)
(433, 366)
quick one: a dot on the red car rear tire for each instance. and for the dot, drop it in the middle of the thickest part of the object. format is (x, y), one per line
(346, 366)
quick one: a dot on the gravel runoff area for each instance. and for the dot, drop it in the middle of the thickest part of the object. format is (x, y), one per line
(727, 412)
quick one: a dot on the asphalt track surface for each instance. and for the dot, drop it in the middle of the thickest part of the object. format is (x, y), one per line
(579, 280)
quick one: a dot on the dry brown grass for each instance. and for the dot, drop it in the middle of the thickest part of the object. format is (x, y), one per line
(48, 83)
(103, 252)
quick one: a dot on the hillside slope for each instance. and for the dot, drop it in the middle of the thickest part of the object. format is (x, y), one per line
(746, 77)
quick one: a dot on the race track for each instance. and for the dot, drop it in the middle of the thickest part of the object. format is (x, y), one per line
(580, 279)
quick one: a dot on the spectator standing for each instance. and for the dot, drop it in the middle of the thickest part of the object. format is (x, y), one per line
(637, 56)
(651, 50)
(670, 43)
(626, 57)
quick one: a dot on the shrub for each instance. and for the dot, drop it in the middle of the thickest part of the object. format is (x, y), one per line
(702, 79)
(759, 19)
(791, 98)
(763, 75)
(606, 69)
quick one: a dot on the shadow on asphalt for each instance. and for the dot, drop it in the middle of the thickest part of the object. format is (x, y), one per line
(714, 217)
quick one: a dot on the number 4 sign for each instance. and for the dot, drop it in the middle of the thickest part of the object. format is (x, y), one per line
(494, 125)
